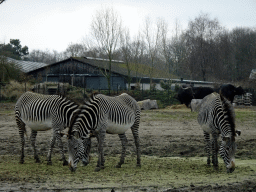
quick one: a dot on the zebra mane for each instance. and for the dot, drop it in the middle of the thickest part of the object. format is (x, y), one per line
(73, 119)
(87, 105)
(229, 113)
(77, 113)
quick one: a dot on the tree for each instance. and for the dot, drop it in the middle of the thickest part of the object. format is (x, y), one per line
(46, 56)
(126, 53)
(8, 70)
(106, 28)
(151, 35)
(243, 41)
(200, 36)
(14, 49)
(75, 50)
(138, 48)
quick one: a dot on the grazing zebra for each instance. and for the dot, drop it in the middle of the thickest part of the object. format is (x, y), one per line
(100, 115)
(40, 113)
(216, 117)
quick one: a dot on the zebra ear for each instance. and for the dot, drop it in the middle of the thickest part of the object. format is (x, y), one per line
(238, 132)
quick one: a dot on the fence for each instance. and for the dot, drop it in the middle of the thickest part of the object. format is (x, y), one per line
(12, 91)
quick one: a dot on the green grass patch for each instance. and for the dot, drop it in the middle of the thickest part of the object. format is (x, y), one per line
(165, 115)
(244, 115)
(174, 172)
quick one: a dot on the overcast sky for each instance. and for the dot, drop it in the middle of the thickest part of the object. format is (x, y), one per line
(53, 24)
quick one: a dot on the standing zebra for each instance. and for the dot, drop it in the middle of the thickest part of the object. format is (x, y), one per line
(40, 113)
(101, 115)
(216, 117)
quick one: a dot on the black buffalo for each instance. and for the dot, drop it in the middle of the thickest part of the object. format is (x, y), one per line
(229, 91)
(186, 93)
(201, 92)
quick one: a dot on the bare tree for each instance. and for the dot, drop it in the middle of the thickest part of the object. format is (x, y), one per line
(75, 50)
(151, 35)
(165, 46)
(138, 49)
(200, 35)
(127, 53)
(106, 28)
(46, 56)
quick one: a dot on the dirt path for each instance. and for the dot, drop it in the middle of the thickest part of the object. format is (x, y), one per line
(176, 136)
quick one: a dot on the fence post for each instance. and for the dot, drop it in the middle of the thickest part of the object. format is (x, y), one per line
(84, 85)
(142, 92)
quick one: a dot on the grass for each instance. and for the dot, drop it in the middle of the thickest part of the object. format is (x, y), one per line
(170, 114)
(174, 172)
(242, 115)
(7, 112)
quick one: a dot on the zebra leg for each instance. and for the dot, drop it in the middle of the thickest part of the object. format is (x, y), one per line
(101, 160)
(207, 147)
(215, 150)
(137, 141)
(33, 141)
(21, 126)
(58, 137)
(49, 161)
(124, 142)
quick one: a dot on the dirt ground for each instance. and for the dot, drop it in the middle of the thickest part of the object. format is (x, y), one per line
(171, 137)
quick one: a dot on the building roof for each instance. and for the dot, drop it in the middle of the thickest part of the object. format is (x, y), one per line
(116, 67)
(26, 66)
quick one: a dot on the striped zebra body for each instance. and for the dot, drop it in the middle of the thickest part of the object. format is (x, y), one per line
(41, 113)
(101, 115)
(216, 117)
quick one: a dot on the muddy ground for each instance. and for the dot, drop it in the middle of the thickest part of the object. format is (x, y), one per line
(177, 136)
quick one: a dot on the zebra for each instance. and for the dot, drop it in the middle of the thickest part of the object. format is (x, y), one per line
(41, 113)
(100, 115)
(216, 117)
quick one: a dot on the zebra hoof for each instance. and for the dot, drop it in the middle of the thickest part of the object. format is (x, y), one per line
(38, 161)
(21, 161)
(216, 167)
(49, 163)
(138, 165)
(65, 163)
(118, 166)
(97, 169)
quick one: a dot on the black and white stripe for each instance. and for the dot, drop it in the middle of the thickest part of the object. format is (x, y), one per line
(40, 113)
(216, 117)
(101, 115)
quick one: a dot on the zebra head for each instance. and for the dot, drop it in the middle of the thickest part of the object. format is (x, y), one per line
(78, 149)
(227, 152)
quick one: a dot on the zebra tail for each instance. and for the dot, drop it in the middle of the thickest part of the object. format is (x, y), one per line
(18, 120)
